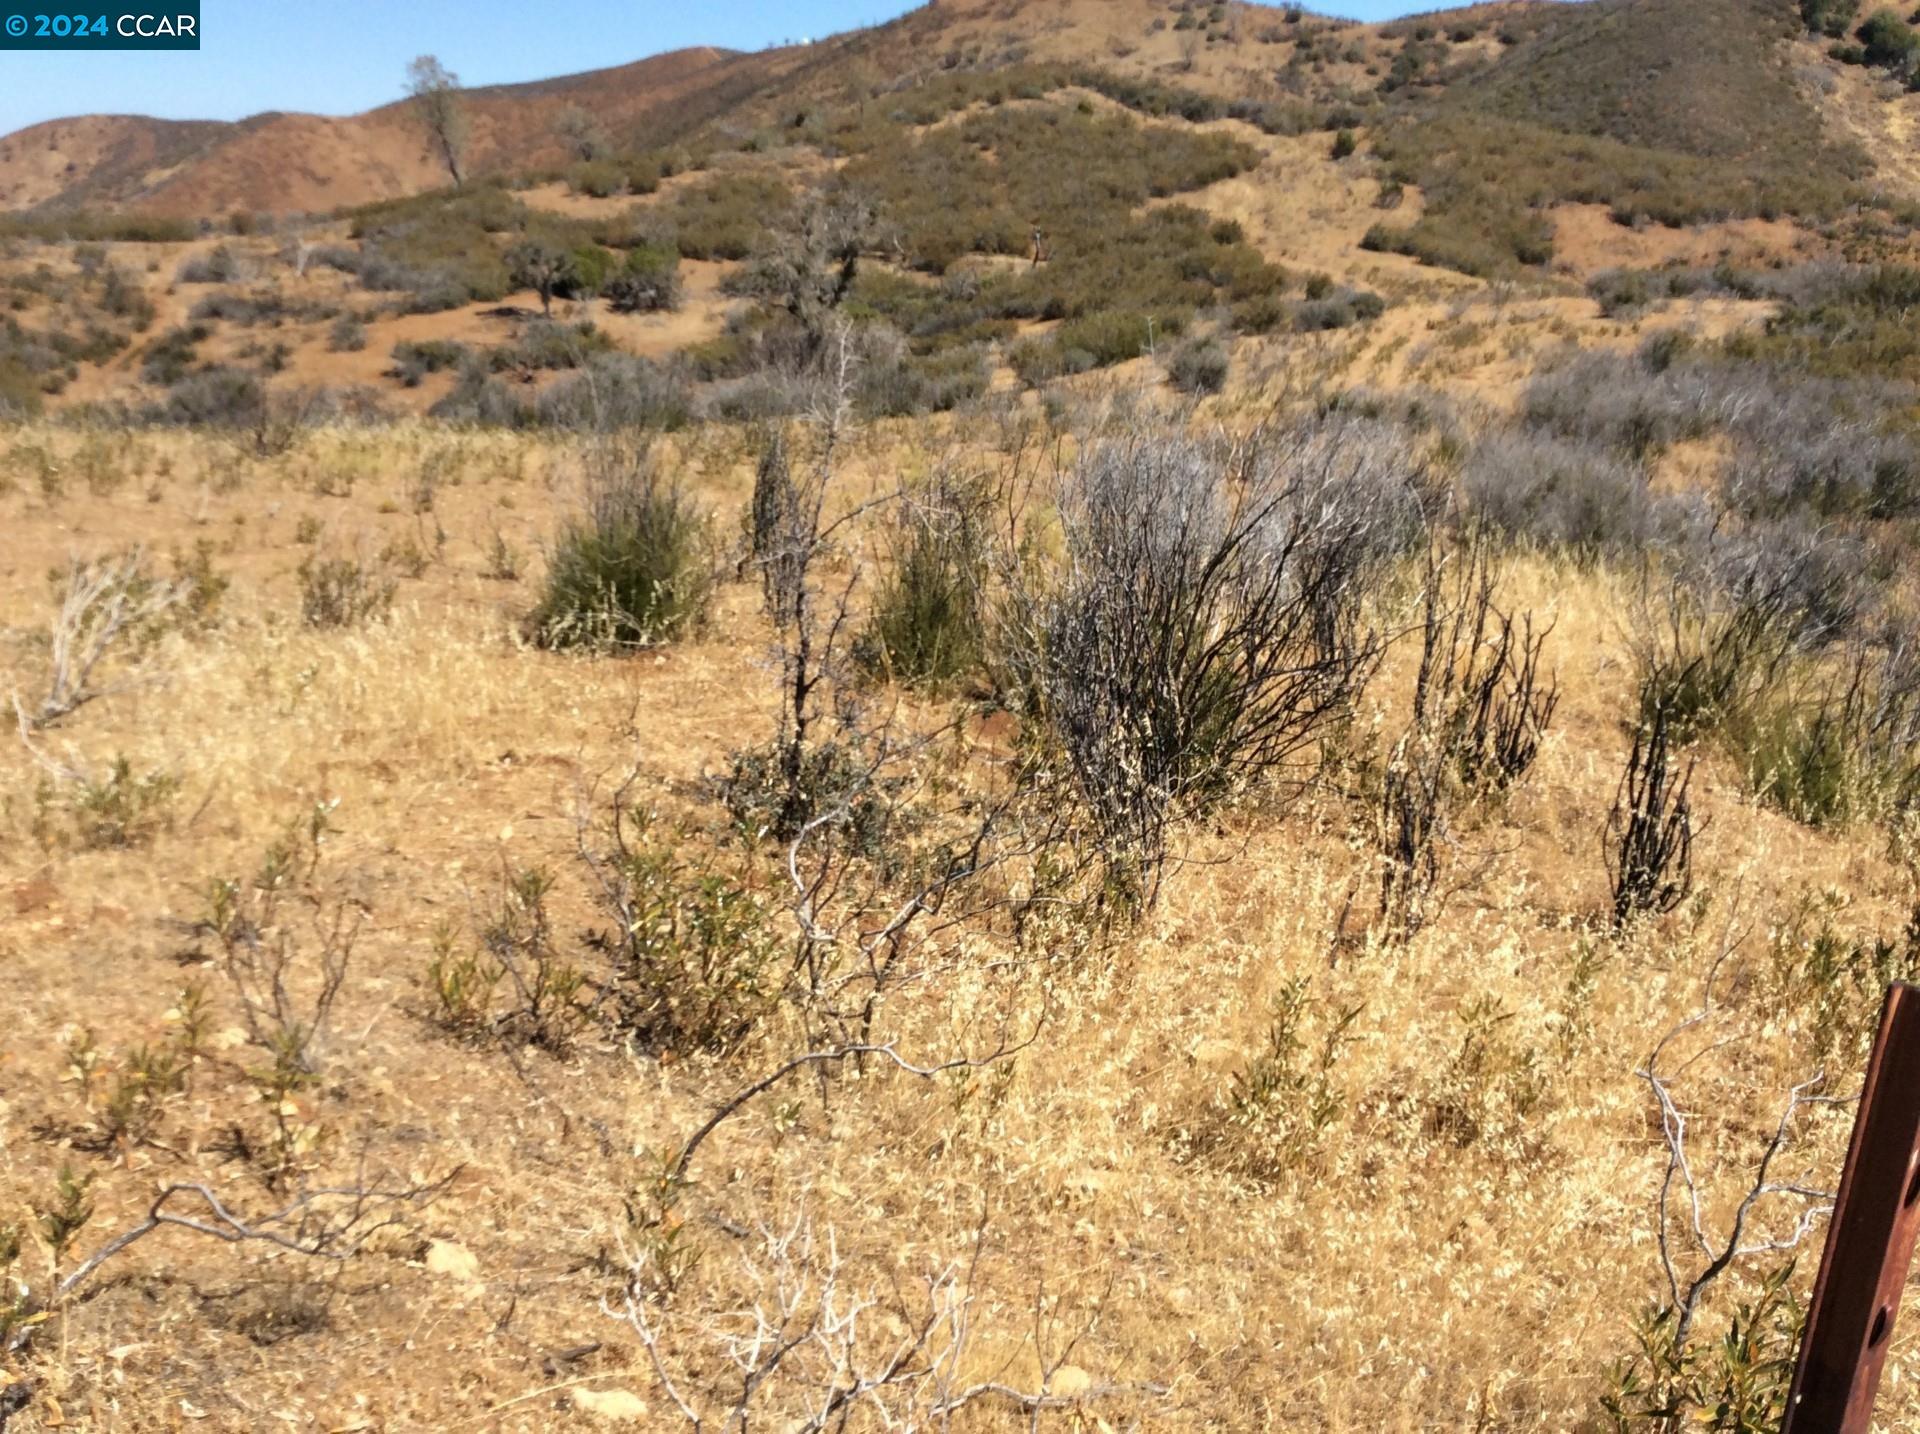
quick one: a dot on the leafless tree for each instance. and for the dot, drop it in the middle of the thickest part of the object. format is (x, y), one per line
(441, 106)
(583, 135)
(793, 530)
(810, 267)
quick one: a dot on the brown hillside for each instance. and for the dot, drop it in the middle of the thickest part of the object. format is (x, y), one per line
(294, 162)
(297, 162)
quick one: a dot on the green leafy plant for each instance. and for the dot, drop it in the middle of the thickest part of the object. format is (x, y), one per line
(634, 569)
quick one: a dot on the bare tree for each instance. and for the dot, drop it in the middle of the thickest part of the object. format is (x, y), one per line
(327, 1223)
(440, 103)
(810, 267)
(583, 135)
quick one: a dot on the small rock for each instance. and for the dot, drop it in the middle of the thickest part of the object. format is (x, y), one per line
(618, 1404)
(444, 1257)
(1070, 1381)
(1215, 1054)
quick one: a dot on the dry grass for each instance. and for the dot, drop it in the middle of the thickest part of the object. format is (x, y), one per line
(1454, 1249)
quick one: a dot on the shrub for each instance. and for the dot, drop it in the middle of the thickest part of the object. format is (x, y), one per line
(927, 621)
(615, 391)
(1889, 42)
(1537, 489)
(728, 217)
(599, 178)
(517, 951)
(117, 809)
(218, 266)
(221, 396)
(1344, 144)
(634, 569)
(168, 358)
(695, 960)
(647, 281)
(544, 344)
(592, 266)
(480, 398)
(348, 335)
(1340, 309)
(1650, 831)
(1833, 742)
(1199, 366)
(1829, 17)
(343, 592)
(1279, 1108)
(413, 359)
(439, 248)
(893, 383)
(1196, 641)
(1480, 709)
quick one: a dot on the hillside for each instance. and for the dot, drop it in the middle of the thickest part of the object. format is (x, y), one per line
(291, 163)
(282, 163)
(1068, 716)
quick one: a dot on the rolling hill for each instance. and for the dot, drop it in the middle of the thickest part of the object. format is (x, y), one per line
(290, 163)
(1713, 79)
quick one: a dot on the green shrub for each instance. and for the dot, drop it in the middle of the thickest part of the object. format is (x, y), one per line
(696, 958)
(646, 281)
(927, 623)
(728, 217)
(413, 359)
(1199, 366)
(115, 810)
(634, 569)
(591, 267)
(545, 344)
(1829, 17)
(1344, 144)
(1889, 42)
(599, 178)
(343, 592)
(1737, 1383)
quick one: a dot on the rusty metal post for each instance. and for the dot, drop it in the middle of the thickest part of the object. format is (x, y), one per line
(1870, 1238)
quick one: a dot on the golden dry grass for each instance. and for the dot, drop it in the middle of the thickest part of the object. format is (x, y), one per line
(1465, 1245)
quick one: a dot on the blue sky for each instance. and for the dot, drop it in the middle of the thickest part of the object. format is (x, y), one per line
(340, 56)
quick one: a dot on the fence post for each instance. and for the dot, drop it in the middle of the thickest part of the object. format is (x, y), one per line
(1870, 1237)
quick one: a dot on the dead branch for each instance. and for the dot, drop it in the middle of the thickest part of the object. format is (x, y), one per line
(1682, 1229)
(104, 602)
